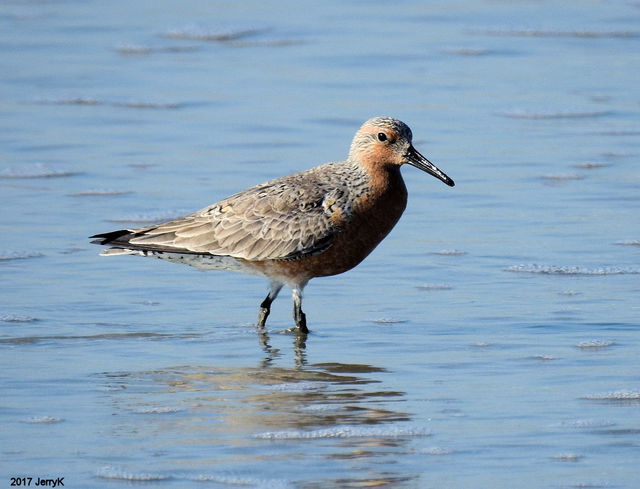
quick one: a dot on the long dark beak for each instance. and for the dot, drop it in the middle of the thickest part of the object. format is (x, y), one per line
(416, 159)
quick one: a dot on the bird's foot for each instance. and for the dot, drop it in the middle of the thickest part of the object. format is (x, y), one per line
(263, 314)
(301, 321)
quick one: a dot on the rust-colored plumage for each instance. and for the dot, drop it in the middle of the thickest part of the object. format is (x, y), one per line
(320, 222)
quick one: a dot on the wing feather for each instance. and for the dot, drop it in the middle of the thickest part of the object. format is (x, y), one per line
(288, 218)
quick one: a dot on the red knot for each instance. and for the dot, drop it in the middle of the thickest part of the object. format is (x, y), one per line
(320, 222)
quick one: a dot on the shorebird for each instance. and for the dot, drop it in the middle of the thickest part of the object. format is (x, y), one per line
(316, 223)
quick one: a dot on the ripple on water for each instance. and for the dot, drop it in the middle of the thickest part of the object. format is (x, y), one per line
(617, 397)
(588, 34)
(594, 344)
(36, 170)
(43, 420)
(219, 33)
(10, 318)
(344, 432)
(571, 270)
(114, 473)
(150, 217)
(553, 114)
(19, 255)
(90, 101)
(239, 480)
(100, 193)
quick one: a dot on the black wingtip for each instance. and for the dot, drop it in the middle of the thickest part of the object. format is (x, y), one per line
(106, 238)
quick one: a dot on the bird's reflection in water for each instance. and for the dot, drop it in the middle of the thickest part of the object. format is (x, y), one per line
(271, 353)
(242, 417)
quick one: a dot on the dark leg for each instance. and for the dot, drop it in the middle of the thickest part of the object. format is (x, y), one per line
(298, 315)
(265, 306)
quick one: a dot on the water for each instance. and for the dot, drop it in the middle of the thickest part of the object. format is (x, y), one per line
(490, 341)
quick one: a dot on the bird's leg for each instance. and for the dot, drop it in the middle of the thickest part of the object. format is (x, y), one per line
(265, 306)
(298, 315)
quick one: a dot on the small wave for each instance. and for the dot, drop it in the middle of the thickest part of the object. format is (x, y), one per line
(568, 114)
(114, 473)
(100, 192)
(344, 432)
(220, 33)
(19, 255)
(562, 177)
(43, 420)
(587, 424)
(543, 358)
(452, 252)
(37, 170)
(389, 321)
(434, 287)
(632, 242)
(151, 217)
(594, 344)
(621, 396)
(558, 270)
(158, 410)
(295, 387)
(237, 480)
(17, 319)
(133, 49)
(586, 34)
(591, 165)
(133, 104)
(466, 51)
(27, 340)
(567, 457)
(267, 43)
(148, 105)
(437, 451)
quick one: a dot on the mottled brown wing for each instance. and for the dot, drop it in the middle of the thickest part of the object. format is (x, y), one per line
(285, 219)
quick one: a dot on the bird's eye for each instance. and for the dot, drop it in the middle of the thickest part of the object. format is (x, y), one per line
(382, 137)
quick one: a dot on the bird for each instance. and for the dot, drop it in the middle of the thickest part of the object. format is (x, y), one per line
(319, 222)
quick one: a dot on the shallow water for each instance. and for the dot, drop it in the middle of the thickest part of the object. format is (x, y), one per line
(490, 341)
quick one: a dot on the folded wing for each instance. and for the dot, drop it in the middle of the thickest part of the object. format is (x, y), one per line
(288, 218)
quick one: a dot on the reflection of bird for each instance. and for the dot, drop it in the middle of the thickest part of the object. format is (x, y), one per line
(316, 223)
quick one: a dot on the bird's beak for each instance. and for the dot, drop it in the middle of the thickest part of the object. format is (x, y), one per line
(416, 159)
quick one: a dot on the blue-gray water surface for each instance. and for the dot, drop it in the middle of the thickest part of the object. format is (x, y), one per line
(491, 341)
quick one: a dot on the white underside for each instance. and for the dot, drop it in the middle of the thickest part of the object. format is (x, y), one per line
(202, 262)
